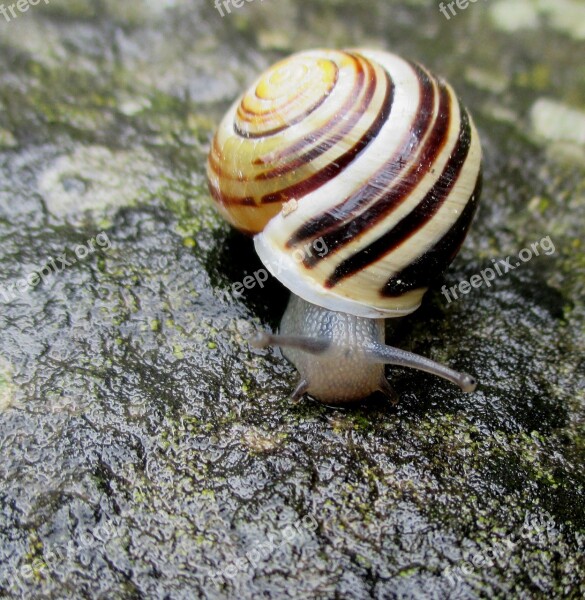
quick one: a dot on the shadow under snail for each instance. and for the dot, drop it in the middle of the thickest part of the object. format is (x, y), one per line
(373, 160)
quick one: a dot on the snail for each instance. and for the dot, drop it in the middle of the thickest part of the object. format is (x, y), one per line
(358, 174)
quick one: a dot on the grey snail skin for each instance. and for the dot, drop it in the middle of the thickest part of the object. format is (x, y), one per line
(371, 158)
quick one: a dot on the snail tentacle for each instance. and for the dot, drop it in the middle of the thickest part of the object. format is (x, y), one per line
(381, 353)
(300, 342)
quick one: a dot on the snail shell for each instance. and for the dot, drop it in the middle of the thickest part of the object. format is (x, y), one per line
(371, 155)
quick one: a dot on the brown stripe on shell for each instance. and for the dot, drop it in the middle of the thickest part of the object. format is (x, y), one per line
(434, 261)
(328, 222)
(214, 158)
(367, 75)
(417, 218)
(363, 75)
(221, 198)
(381, 208)
(316, 180)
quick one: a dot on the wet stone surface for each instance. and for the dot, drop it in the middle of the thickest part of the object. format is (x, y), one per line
(146, 451)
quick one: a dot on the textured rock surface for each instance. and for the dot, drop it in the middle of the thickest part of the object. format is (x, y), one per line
(145, 449)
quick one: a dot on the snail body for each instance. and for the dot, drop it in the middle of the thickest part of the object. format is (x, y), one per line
(358, 173)
(342, 372)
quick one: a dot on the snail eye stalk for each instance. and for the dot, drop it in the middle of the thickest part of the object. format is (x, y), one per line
(389, 355)
(304, 343)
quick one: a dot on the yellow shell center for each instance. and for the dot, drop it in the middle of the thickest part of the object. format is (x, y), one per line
(285, 94)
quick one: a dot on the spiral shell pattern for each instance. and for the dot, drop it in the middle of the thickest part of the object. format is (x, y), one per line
(359, 172)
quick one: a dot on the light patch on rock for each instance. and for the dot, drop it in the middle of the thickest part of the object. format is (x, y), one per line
(259, 441)
(485, 80)
(563, 129)
(274, 39)
(556, 121)
(139, 11)
(136, 11)
(6, 387)
(94, 178)
(500, 113)
(7, 140)
(132, 105)
(39, 38)
(176, 68)
(513, 15)
(566, 16)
